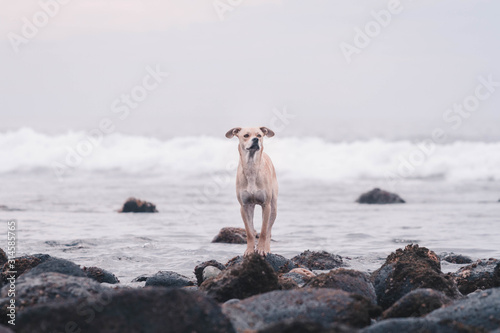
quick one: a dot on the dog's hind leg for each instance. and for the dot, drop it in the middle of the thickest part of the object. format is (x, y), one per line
(247, 215)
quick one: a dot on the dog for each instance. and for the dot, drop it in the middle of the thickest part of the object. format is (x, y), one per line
(256, 184)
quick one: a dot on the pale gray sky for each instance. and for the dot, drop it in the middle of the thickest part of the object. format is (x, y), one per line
(265, 54)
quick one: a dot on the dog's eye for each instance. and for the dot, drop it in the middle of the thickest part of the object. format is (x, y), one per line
(258, 135)
(246, 135)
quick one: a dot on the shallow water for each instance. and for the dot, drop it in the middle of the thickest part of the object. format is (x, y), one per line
(77, 219)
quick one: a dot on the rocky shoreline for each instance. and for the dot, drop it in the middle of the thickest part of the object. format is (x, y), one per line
(312, 292)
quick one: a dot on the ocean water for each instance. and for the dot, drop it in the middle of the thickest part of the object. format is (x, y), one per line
(65, 198)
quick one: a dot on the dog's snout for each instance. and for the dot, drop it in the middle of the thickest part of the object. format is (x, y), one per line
(255, 139)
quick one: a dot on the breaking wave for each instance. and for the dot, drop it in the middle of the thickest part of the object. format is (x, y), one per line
(26, 150)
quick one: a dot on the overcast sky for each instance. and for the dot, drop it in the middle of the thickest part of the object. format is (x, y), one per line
(264, 55)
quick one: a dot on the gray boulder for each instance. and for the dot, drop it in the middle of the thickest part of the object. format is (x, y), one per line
(320, 306)
(480, 310)
(168, 279)
(347, 280)
(129, 311)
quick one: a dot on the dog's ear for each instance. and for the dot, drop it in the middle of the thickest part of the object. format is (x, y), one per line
(267, 132)
(232, 132)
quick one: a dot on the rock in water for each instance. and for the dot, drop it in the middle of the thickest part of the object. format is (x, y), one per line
(455, 258)
(483, 274)
(133, 205)
(198, 270)
(168, 279)
(231, 235)
(417, 303)
(24, 264)
(251, 277)
(347, 280)
(409, 269)
(378, 196)
(56, 265)
(279, 263)
(318, 260)
(100, 275)
(320, 306)
(480, 310)
(129, 311)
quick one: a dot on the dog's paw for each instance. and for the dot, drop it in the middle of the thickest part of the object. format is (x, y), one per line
(248, 252)
(262, 252)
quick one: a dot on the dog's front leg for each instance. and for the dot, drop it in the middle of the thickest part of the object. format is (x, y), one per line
(247, 215)
(264, 232)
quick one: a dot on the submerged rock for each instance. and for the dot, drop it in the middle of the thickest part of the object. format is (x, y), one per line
(231, 235)
(198, 270)
(130, 311)
(378, 196)
(48, 288)
(409, 269)
(100, 275)
(251, 277)
(347, 280)
(168, 279)
(480, 310)
(314, 260)
(483, 274)
(320, 306)
(133, 205)
(455, 258)
(417, 303)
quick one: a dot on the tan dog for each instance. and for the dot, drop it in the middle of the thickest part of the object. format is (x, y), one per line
(256, 184)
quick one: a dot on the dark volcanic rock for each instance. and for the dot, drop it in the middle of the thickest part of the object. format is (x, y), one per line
(168, 279)
(23, 264)
(321, 306)
(300, 278)
(141, 278)
(409, 269)
(279, 263)
(4, 329)
(47, 288)
(293, 326)
(378, 196)
(417, 303)
(455, 258)
(318, 260)
(347, 280)
(251, 277)
(133, 205)
(56, 265)
(419, 325)
(100, 275)
(198, 270)
(483, 274)
(480, 309)
(231, 236)
(130, 311)
(3, 257)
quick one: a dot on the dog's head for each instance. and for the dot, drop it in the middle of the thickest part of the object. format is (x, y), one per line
(251, 138)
